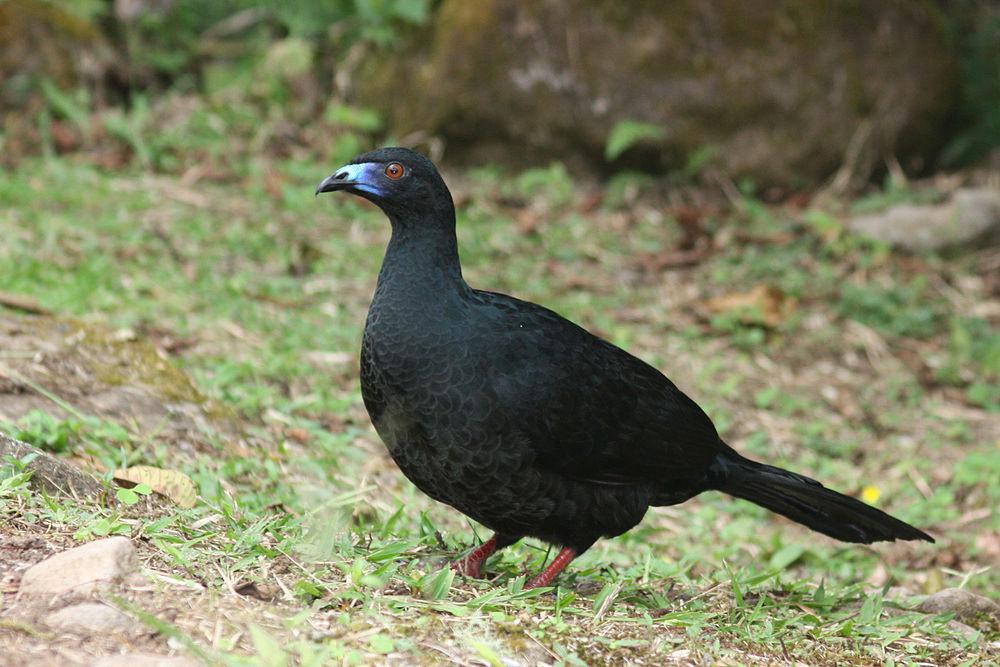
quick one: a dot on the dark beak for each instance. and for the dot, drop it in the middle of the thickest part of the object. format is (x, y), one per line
(339, 180)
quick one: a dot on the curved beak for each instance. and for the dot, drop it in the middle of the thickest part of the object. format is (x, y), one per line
(351, 177)
(334, 182)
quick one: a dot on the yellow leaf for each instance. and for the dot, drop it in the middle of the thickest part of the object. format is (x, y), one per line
(170, 483)
(870, 494)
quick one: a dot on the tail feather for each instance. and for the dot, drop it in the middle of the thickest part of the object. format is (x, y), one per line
(808, 502)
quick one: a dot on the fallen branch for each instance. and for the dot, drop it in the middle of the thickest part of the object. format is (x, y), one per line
(23, 303)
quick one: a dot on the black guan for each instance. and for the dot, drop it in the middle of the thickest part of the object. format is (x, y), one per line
(526, 422)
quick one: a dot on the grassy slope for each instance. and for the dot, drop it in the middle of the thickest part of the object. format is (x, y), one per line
(270, 286)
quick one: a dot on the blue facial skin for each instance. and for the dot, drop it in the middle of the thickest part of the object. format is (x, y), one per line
(363, 175)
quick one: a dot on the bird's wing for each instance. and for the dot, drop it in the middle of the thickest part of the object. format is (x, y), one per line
(590, 409)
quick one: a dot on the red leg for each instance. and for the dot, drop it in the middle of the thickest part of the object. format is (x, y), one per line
(471, 565)
(554, 568)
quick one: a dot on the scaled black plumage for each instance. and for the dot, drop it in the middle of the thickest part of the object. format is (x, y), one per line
(523, 420)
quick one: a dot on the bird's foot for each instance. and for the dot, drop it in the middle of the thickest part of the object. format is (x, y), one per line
(472, 565)
(554, 568)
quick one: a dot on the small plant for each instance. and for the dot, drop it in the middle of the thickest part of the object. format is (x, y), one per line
(551, 184)
(47, 432)
(628, 133)
(894, 192)
(901, 310)
(105, 439)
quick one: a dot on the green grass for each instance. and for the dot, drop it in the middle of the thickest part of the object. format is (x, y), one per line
(269, 282)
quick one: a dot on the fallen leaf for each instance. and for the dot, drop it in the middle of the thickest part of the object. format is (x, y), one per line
(299, 435)
(529, 220)
(252, 590)
(763, 305)
(173, 484)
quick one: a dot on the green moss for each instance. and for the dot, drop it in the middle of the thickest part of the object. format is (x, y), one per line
(46, 36)
(117, 360)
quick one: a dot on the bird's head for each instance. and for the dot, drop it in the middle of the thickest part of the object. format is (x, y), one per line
(401, 182)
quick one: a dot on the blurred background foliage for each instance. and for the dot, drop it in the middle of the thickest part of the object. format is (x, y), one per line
(158, 82)
(976, 29)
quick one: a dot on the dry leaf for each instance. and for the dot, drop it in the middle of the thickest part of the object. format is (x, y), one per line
(299, 435)
(170, 483)
(763, 305)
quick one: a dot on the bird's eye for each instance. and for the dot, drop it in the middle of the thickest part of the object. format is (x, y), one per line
(394, 171)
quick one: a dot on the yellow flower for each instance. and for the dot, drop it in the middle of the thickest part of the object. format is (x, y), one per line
(870, 494)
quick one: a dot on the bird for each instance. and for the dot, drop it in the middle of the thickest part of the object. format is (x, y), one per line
(526, 422)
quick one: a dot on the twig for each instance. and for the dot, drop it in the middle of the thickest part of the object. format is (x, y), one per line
(458, 660)
(918, 481)
(25, 304)
(849, 171)
(39, 389)
(705, 592)
(607, 602)
(544, 647)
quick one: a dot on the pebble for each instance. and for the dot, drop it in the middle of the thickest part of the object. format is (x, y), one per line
(971, 217)
(965, 605)
(81, 570)
(92, 617)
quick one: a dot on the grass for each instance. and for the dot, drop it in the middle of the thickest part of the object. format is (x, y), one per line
(307, 547)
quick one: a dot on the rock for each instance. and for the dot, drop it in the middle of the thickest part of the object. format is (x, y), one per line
(50, 473)
(81, 570)
(145, 660)
(970, 217)
(41, 41)
(772, 91)
(89, 617)
(965, 605)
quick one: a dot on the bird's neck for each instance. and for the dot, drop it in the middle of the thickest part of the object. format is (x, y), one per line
(422, 260)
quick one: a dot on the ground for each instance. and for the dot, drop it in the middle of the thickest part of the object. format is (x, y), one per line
(211, 326)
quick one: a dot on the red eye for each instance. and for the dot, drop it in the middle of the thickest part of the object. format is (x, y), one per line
(394, 171)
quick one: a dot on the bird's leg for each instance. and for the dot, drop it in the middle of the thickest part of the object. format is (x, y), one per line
(471, 565)
(554, 568)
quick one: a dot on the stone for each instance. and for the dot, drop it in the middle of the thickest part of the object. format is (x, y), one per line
(965, 605)
(771, 91)
(81, 570)
(89, 617)
(969, 218)
(51, 473)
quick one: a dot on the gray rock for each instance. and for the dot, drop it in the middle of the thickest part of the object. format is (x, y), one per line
(88, 617)
(48, 472)
(81, 570)
(965, 605)
(970, 217)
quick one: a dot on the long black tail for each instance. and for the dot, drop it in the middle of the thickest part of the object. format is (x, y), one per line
(808, 502)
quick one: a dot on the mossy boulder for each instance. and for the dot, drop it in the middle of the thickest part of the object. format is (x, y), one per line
(773, 91)
(40, 40)
(42, 44)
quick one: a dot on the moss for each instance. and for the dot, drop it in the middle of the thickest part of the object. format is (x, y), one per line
(122, 360)
(45, 38)
(780, 89)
